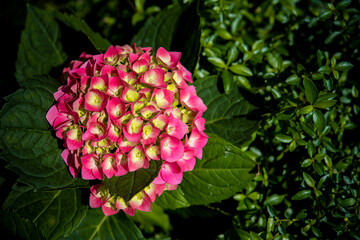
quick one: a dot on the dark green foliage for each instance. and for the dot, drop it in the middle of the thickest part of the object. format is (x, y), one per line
(280, 81)
(299, 58)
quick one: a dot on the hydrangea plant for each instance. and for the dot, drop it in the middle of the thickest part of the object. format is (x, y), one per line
(123, 109)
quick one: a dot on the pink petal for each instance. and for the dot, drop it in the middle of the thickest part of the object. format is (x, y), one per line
(115, 108)
(187, 163)
(109, 165)
(95, 100)
(111, 56)
(137, 159)
(154, 77)
(171, 173)
(172, 149)
(176, 128)
(163, 55)
(140, 66)
(163, 97)
(99, 83)
(109, 209)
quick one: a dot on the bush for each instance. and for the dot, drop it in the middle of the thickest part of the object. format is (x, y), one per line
(279, 79)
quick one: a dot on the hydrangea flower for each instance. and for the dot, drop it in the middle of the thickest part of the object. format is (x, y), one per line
(120, 110)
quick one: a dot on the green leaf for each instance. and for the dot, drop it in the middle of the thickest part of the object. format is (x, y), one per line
(228, 81)
(274, 199)
(306, 110)
(80, 25)
(96, 225)
(344, 66)
(241, 70)
(128, 185)
(222, 172)
(56, 213)
(343, 4)
(218, 62)
(283, 138)
(319, 120)
(40, 49)
(227, 115)
(303, 194)
(17, 227)
(325, 104)
(311, 148)
(347, 202)
(223, 34)
(309, 180)
(233, 54)
(158, 31)
(271, 211)
(26, 140)
(311, 92)
(293, 80)
(316, 231)
(325, 15)
(172, 199)
(188, 27)
(157, 217)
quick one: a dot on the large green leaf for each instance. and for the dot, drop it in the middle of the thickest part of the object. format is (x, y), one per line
(158, 31)
(187, 36)
(26, 140)
(227, 114)
(128, 185)
(40, 49)
(15, 227)
(98, 226)
(80, 25)
(56, 213)
(176, 28)
(223, 171)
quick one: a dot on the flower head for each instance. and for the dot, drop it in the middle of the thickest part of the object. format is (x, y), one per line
(123, 109)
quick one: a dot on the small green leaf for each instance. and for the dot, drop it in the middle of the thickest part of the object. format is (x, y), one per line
(310, 148)
(271, 211)
(309, 180)
(303, 194)
(218, 62)
(344, 66)
(347, 202)
(274, 199)
(302, 214)
(284, 138)
(241, 70)
(325, 104)
(311, 92)
(325, 15)
(316, 231)
(293, 80)
(270, 224)
(319, 120)
(306, 163)
(306, 110)
(343, 4)
(228, 82)
(324, 69)
(232, 54)
(223, 34)
(269, 75)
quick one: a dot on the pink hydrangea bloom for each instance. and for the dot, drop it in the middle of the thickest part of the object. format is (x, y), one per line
(120, 110)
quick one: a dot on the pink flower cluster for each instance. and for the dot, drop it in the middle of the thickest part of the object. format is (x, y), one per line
(122, 109)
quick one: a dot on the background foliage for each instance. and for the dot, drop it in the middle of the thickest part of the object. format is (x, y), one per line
(279, 78)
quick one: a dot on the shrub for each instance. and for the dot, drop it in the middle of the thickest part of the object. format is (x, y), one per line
(279, 80)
